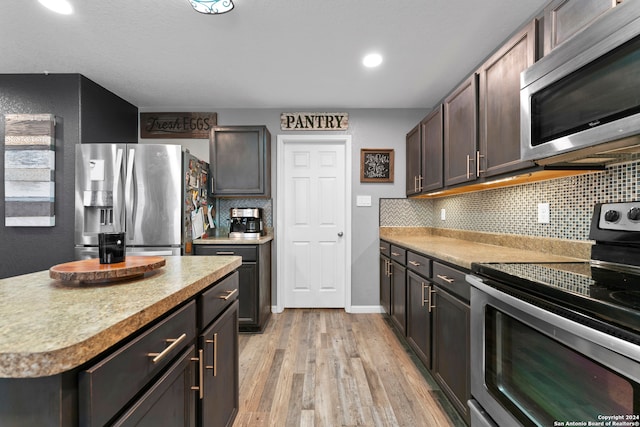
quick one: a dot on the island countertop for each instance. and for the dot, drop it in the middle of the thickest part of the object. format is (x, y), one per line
(49, 327)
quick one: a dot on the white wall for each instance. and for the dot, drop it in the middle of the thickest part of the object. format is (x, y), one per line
(369, 128)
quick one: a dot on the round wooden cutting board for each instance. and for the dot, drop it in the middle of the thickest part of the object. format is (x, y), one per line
(90, 270)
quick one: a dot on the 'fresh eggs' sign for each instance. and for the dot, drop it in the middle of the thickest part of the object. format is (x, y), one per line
(314, 121)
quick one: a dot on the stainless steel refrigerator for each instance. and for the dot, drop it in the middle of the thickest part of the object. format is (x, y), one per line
(146, 190)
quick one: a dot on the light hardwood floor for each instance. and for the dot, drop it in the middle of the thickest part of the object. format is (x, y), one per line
(325, 367)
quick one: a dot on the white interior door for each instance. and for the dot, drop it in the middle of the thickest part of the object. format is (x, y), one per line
(313, 222)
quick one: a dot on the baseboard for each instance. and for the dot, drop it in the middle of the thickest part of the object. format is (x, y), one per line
(359, 309)
(356, 309)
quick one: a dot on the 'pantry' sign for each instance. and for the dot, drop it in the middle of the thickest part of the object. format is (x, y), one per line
(314, 121)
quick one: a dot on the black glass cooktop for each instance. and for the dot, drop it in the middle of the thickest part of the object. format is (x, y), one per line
(608, 293)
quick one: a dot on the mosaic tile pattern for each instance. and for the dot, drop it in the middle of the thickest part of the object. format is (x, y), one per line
(513, 210)
(569, 281)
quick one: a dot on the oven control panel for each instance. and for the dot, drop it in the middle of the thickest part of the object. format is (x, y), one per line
(623, 216)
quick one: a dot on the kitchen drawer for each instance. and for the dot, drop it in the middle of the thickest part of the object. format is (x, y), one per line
(398, 254)
(418, 263)
(385, 248)
(107, 387)
(452, 280)
(216, 299)
(247, 252)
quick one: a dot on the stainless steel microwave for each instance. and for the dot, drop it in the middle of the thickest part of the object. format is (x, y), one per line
(581, 102)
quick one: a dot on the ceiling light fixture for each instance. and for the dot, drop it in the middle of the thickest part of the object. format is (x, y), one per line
(372, 60)
(212, 7)
(59, 6)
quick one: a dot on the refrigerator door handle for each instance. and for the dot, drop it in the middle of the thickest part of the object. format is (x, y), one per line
(128, 194)
(118, 204)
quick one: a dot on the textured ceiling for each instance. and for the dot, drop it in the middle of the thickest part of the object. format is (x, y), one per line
(264, 53)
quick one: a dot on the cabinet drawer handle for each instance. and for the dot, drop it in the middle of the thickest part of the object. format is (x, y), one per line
(415, 264)
(200, 387)
(228, 295)
(174, 343)
(395, 254)
(225, 253)
(446, 279)
(382, 248)
(214, 366)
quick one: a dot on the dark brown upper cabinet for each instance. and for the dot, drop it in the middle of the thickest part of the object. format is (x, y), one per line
(240, 161)
(499, 96)
(432, 143)
(565, 18)
(460, 133)
(414, 161)
(424, 155)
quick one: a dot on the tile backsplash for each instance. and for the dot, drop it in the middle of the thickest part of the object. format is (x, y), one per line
(514, 210)
(223, 206)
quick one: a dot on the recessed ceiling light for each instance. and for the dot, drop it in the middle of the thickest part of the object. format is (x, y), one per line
(372, 60)
(59, 6)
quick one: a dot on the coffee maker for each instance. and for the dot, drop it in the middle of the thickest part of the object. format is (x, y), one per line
(246, 223)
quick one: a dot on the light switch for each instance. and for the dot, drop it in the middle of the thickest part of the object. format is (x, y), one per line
(363, 201)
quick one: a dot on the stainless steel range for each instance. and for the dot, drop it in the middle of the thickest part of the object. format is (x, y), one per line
(559, 344)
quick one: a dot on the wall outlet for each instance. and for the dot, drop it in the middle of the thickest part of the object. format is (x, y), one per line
(544, 213)
(443, 214)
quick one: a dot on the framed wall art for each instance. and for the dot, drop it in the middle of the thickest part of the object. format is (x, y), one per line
(376, 165)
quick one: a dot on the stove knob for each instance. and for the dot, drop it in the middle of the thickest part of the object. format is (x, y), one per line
(611, 216)
(634, 214)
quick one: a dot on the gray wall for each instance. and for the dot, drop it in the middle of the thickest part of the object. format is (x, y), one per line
(369, 128)
(85, 112)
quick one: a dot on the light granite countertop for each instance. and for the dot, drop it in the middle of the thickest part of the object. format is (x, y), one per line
(225, 240)
(463, 248)
(48, 327)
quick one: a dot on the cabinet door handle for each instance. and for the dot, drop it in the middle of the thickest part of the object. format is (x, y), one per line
(174, 343)
(214, 365)
(469, 160)
(228, 295)
(445, 278)
(478, 157)
(414, 263)
(432, 303)
(420, 179)
(200, 387)
(225, 253)
(424, 285)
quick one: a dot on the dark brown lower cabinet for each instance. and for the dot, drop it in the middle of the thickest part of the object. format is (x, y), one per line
(220, 401)
(451, 362)
(170, 401)
(255, 281)
(419, 316)
(385, 284)
(399, 296)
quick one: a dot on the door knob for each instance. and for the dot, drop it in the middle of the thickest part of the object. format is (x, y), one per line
(340, 233)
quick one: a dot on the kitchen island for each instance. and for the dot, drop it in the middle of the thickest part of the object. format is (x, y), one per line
(56, 335)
